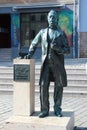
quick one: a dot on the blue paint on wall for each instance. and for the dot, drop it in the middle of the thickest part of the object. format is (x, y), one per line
(15, 30)
(83, 15)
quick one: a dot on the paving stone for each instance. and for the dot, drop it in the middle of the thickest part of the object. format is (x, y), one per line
(79, 105)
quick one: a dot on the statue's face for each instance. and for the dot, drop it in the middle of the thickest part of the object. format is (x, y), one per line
(52, 19)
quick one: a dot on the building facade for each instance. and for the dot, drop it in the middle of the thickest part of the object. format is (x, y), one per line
(20, 21)
(83, 27)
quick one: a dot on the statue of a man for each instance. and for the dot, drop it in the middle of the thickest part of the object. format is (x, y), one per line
(54, 45)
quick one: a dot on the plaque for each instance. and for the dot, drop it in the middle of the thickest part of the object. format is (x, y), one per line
(21, 72)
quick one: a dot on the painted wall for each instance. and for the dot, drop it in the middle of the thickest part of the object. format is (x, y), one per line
(15, 30)
(15, 34)
(66, 24)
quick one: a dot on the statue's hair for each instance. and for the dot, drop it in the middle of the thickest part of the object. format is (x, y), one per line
(52, 11)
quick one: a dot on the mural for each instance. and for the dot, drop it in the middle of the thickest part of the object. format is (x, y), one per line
(65, 22)
(15, 29)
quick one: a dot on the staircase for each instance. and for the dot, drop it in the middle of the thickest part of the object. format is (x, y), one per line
(77, 79)
(6, 76)
(5, 54)
(76, 75)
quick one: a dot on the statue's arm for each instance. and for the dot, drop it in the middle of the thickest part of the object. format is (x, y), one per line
(33, 45)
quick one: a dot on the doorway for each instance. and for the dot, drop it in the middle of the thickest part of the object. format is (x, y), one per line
(5, 31)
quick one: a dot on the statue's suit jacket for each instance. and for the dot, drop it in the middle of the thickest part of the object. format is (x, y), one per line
(60, 48)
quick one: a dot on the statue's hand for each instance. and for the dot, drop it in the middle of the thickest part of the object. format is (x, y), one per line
(53, 46)
(56, 48)
(27, 57)
(19, 57)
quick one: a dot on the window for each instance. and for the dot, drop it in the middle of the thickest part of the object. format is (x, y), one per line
(31, 24)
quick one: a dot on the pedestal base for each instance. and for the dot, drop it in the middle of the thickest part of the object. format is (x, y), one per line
(24, 87)
(35, 123)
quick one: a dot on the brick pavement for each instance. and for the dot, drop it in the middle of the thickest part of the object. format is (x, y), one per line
(79, 105)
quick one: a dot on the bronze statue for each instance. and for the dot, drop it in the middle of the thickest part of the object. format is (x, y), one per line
(54, 45)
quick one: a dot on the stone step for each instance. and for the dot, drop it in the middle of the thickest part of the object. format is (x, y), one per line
(5, 71)
(81, 82)
(68, 88)
(6, 86)
(37, 72)
(66, 67)
(6, 76)
(5, 54)
(75, 88)
(71, 81)
(4, 60)
(78, 77)
(75, 66)
(77, 93)
(69, 77)
(51, 88)
(3, 75)
(7, 80)
(77, 80)
(69, 93)
(68, 62)
(71, 72)
(6, 67)
(5, 49)
(6, 83)
(70, 85)
(68, 71)
(38, 66)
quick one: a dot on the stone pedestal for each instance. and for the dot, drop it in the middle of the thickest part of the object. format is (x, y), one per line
(35, 123)
(24, 87)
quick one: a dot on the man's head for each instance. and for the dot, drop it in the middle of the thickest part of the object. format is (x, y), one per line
(52, 19)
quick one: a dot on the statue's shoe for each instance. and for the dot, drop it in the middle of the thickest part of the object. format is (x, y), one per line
(43, 114)
(58, 113)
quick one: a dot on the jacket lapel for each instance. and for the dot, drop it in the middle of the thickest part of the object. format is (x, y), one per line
(45, 37)
(46, 34)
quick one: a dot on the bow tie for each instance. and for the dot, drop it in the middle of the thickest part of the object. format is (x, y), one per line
(54, 28)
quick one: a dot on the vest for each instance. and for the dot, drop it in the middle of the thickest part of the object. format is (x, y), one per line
(50, 58)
